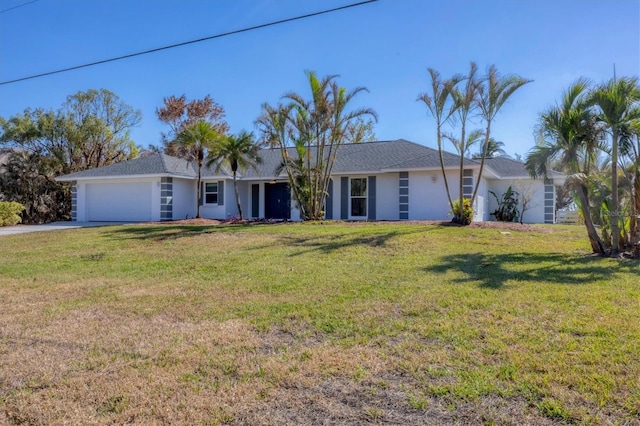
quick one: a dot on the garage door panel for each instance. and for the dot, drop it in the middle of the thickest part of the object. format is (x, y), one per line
(119, 202)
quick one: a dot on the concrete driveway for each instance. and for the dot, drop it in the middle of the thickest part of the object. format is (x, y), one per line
(54, 226)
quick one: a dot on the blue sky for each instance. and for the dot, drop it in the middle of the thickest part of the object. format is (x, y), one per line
(385, 46)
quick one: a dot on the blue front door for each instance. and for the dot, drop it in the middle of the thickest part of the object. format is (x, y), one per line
(277, 204)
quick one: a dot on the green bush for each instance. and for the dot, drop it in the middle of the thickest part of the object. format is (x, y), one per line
(10, 213)
(464, 216)
(507, 210)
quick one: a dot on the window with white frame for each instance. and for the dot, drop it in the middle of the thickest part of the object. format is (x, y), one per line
(211, 193)
(358, 197)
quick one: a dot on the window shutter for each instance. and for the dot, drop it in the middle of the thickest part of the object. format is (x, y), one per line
(372, 198)
(221, 193)
(328, 203)
(255, 200)
(344, 197)
(201, 193)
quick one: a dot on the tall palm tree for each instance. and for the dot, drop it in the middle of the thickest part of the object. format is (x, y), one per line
(192, 144)
(238, 152)
(465, 103)
(631, 149)
(570, 136)
(441, 106)
(616, 100)
(493, 93)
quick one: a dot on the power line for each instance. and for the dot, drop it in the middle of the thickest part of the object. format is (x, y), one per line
(158, 49)
(20, 5)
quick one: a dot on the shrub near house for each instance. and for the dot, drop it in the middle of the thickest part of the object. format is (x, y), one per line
(10, 213)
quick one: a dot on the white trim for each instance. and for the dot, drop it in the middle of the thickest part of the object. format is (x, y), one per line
(204, 193)
(365, 197)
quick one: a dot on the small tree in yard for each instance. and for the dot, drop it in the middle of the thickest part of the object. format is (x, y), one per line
(196, 141)
(239, 152)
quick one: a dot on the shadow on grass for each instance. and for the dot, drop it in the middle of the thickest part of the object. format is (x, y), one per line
(329, 243)
(493, 270)
(171, 232)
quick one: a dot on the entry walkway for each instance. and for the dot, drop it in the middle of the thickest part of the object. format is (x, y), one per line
(55, 226)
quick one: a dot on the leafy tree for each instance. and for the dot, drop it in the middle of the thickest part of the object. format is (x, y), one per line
(98, 129)
(570, 135)
(238, 152)
(179, 113)
(194, 142)
(617, 101)
(316, 128)
(91, 129)
(361, 130)
(29, 179)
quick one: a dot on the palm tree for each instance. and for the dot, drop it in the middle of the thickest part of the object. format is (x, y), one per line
(441, 106)
(494, 149)
(493, 93)
(239, 152)
(616, 100)
(465, 104)
(192, 144)
(463, 149)
(571, 136)
(631, 149)
(317, 128)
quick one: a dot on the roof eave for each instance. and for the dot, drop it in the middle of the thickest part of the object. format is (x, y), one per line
(71, 178)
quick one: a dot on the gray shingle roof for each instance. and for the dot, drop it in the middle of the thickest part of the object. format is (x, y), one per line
(155, 164)
(366, 157)
(505, 167)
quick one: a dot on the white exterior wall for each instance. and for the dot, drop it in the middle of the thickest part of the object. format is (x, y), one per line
(184, 198)
(81, 201)
(387, 196)
(216, 211)
(481, 206)
(535, 210)
(82, 209)
(428, 196)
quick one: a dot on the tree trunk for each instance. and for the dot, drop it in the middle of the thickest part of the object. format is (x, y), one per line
(596, 243)
(235, 188)
(614, 214)
(199, 192)
(635, 207)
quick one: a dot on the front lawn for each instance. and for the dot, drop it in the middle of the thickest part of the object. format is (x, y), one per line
(316, 324)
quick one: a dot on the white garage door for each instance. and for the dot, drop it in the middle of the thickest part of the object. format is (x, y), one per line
(111, 202)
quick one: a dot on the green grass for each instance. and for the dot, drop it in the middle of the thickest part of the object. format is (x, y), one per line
(288, 323)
